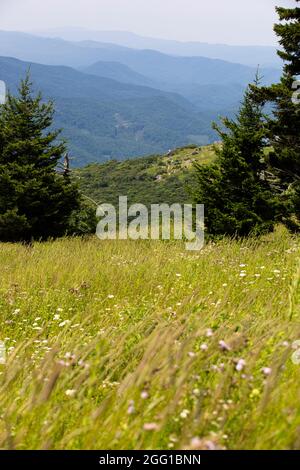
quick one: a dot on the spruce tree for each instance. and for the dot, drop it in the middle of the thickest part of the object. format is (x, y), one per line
(238, 200)
(284, 124)
(36, 202)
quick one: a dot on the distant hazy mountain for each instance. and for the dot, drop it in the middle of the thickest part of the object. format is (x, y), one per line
(123, 102)
(119, 72)
(215, 99)
(163, 69)
(265, 56)
(104, 119)
(47, 51)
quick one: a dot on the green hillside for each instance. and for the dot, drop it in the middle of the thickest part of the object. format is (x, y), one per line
(147, 180)
(102, 118)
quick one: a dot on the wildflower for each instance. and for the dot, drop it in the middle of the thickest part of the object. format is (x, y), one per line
(150, 427)
(64, 323)
(144, 395)
(204, 347)
(56, 317)
(191, 354)
(131, 408)
(59, 309)
(196, 392)
(184, 414)
(17, 311)
(178, 275)
(70, 393)
(243, 265)
(202, 444)
(266, 370)
(209, 333)
(224, 346)
(69, 355)
(110, 296)
(224, 285)
(63, 363)
(196, 443)
(255, 393)
(243, 274)
(240, 365)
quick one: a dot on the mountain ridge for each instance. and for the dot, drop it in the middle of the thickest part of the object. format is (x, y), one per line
(104, 119)
(244, 54)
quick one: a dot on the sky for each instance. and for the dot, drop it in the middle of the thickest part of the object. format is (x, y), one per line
(215, 21)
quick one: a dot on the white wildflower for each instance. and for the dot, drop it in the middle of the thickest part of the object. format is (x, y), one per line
(266, 370)
(240, 365)
(184, 414)
(224, 346)
(131, 408)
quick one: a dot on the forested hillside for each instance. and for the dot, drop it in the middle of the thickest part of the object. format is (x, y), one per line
(150, 180)
(103, 119)
(117, 102)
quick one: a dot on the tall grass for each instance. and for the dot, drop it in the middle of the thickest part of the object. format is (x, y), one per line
(143, 345)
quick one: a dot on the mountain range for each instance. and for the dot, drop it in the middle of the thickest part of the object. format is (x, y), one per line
(103, 118)
(265, 56)
(117, 102)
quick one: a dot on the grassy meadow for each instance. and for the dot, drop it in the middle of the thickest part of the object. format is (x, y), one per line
(143, 345)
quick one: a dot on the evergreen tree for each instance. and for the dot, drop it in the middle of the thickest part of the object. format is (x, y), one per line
(238, 199)
(284, 124)
(35, 201)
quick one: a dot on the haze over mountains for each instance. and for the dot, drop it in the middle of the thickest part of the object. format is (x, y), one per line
(265, 56)
(116, 102)
(103, 118)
